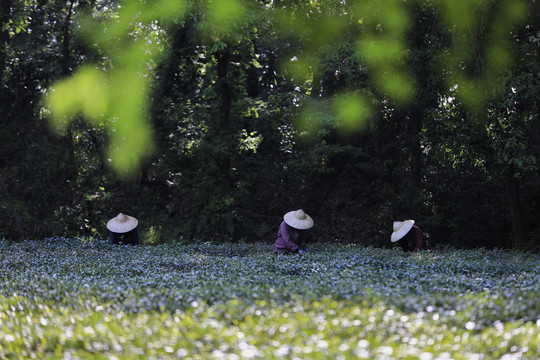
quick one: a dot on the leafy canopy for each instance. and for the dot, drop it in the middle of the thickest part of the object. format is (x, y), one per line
(116, 94)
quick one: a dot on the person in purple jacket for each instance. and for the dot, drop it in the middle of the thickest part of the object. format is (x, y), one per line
(292, 233)
(410, 236)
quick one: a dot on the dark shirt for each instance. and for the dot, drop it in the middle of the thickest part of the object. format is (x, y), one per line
(414, 240)
(289, 240)
(131, 237)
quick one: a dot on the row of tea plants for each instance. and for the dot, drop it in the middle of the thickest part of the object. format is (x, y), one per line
(83, 299)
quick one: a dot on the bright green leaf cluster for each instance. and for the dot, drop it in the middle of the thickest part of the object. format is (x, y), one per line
(353, 111)
(383, 47)
(119, 94)
(129, 39)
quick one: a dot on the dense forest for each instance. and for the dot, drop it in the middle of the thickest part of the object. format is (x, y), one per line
(208, 120)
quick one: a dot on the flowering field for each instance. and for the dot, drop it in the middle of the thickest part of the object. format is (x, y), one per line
(86, 299)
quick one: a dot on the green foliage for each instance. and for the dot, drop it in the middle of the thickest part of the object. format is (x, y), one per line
(353, 111)
(240, 300)
(152, 236)
(119, 94)
(382, 46)
(227, 114)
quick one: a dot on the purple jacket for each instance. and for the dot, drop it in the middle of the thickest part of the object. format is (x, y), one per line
(289, 240)
(414, 240)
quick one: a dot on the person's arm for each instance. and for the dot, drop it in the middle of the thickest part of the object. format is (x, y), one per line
(302, 242)
(112, 238)
(287, 238)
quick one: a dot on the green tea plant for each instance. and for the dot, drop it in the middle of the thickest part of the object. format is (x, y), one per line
(80, 298)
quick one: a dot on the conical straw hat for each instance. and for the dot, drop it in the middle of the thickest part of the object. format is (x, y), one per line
(122, 223)
(401, 228)
(298, 219)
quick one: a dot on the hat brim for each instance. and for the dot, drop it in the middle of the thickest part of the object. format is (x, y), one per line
(402, 231)
(293, 222)
(122, 227)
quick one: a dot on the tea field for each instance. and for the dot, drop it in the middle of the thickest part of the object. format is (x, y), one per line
(85, 299)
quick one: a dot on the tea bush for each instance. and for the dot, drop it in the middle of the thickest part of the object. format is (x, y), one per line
(80, 298)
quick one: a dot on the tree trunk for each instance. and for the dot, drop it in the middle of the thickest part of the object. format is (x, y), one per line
(516, 210)
(415, 178)
(224, 90)
(65, 68)
(15, 216)
(226, 144)
(327, 182)
(5, 6)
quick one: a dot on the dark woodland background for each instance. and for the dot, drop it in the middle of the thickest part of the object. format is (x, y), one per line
(240, 139)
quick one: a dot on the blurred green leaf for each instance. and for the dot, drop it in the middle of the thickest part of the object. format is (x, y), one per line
(353, 111)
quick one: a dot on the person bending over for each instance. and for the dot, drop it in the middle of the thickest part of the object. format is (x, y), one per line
(292, 237)
(123, 230)
(410, 236)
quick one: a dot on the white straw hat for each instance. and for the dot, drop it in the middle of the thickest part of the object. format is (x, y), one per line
(122, 223)
(401, 228)
(298, 219)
